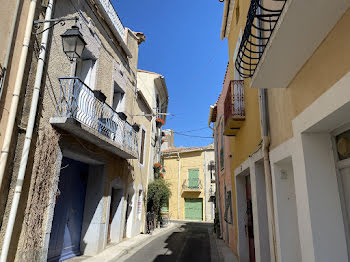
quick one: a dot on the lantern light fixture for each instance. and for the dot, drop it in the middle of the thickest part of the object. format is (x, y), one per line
(73, 43)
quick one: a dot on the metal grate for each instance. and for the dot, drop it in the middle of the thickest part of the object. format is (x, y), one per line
(260, 24)
(192, 184)
(234, 101)
(78, 101)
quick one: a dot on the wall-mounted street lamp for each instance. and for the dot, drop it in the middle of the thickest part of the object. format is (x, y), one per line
(72, 40)
(73, 43)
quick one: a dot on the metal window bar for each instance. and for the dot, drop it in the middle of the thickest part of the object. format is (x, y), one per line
(190, 185)
(234, 101)
(260, 24)
(78, 101)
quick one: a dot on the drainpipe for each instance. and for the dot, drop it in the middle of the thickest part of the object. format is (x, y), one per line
(267, 167)
(29, 133)
(205, 186)
(178, 186)
(16, 91)
(8, 50)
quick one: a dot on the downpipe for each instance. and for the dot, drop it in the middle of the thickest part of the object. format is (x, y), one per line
(16, 92)
(267, 168)
(28, 136)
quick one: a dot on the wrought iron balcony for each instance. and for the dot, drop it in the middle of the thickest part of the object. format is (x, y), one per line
(192, 185)
(100, 124)
(261, 22)
(234, 112)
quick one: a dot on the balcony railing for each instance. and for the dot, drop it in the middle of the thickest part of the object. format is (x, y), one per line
(234, 111)
(193, 185)
(261, 22)
(78, 101)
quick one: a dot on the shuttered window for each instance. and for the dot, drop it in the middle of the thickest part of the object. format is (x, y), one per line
(228, 208)
(142, 153)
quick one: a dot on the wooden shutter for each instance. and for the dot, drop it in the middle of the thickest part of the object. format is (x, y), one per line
(142, 146)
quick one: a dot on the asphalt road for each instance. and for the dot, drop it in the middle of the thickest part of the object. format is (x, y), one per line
(189, 241)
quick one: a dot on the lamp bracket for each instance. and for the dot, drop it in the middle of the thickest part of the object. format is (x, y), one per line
(37, 23)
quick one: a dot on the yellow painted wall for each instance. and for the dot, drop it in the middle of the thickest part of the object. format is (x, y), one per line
(190, 160)
(325, 67)
(249, 137)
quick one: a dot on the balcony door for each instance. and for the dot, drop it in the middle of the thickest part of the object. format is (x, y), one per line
(193, 178)
(85, 100)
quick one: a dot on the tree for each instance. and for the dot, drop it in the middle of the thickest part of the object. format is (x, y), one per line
(157, 196)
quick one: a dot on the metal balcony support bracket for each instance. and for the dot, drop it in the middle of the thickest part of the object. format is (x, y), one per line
(260, 24)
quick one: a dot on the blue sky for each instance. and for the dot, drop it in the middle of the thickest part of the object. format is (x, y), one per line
(183, 44)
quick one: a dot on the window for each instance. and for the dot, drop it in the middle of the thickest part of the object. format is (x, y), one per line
(86, 71)
(139, 205)
(237, 12)
(193, 178)
(222, 150)
(228, 208)
(142, 150)
(118, 98)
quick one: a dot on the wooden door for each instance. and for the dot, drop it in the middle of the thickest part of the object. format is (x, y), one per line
(249, 226)
(68, 214)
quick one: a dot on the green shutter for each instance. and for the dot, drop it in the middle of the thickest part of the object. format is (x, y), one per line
(193, 178)
(194, 208)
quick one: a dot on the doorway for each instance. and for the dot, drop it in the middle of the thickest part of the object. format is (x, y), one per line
(249, 225)
(115, 216)
(68, 213)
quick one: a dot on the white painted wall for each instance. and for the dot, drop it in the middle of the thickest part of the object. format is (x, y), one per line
(316, 181)
(243, 246)
(261, 230)
(94, 230)
(287, 231)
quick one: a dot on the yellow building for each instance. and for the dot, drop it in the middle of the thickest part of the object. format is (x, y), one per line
(191, 182)
(295, 184)
(236, 118)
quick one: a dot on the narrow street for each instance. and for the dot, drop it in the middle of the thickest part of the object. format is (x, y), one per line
(189, 241)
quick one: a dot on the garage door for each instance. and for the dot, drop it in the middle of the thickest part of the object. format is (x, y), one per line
(194, 208)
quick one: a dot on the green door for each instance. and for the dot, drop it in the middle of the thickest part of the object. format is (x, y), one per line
(193, 178)
(194, 208)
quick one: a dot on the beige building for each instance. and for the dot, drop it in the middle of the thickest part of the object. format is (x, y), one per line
(89, 152)
(192, 182)
(152, 87)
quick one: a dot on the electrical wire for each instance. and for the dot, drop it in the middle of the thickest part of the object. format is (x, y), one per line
(189, 131)
(181, 134)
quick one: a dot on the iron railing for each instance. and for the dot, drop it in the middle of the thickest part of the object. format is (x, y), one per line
(193, 184)
(260, 24)
(234, 101)
(78, 101)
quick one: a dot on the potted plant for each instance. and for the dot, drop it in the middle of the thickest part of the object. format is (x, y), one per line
(159, 122)
(122, 116)
(100, 95)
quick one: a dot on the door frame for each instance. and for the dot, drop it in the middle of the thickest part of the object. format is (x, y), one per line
(340, 164)
(76, 153)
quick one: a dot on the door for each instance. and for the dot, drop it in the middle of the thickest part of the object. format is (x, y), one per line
(249, 226)
(84, 112)
(193, 178)
(345, 183)
(68, 214)
(194, 208)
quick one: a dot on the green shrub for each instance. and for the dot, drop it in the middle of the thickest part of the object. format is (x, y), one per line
(158, 195)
